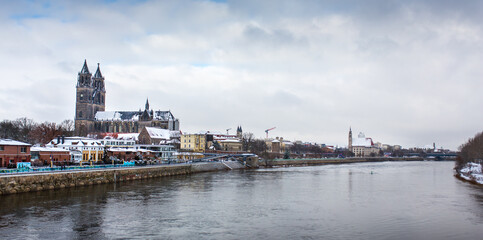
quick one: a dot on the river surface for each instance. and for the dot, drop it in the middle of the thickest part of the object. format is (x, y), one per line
(389, 200)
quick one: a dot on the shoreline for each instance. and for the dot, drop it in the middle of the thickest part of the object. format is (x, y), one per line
(327, 161)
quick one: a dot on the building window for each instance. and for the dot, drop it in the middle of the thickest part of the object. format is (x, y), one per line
(82, 96)
(80, 114)
(1, 148)
(23, 149)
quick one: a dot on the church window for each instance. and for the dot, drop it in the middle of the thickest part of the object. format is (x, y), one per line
(80, 114)
(81, 96)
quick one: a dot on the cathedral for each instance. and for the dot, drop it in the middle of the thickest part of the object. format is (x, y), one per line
(91, 117)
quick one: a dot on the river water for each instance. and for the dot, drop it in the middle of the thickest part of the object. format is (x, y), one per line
(389, 200)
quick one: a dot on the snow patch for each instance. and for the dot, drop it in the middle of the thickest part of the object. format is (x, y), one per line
(472, 172)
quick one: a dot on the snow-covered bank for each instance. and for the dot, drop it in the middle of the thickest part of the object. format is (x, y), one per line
(472, 172)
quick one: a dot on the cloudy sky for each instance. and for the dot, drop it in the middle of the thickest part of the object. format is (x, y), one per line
(403, 72)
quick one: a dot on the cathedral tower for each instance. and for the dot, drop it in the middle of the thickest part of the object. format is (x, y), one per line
(90, 98)
(98, 92)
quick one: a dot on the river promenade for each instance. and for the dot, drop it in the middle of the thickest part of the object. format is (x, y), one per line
(39, 181)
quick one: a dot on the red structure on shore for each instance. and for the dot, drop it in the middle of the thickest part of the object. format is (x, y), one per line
(12, 151)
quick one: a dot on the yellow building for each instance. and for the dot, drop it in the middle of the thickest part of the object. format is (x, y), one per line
(193, 142)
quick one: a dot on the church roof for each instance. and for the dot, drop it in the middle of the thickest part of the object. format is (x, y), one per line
(132, 116)
(98, 73)
(85, 69)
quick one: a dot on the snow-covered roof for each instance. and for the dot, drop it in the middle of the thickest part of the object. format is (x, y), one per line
(132, 115)
(78, 141)
(230, 141)
(159, 133)
(47, 149)
(128, 136)
(121, 136)
(11, 142)
(108, 115)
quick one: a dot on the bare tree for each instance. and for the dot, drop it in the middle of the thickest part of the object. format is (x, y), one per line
(45, 132)
(247, 141)
(471, 151)
(26, 126)
(67, 127)
(8, 129)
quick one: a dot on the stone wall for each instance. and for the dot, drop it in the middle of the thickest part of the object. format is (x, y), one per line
(11, 184)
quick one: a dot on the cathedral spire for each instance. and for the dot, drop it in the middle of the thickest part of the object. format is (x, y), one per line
(85, 69)
(98, 72)
(147, 104)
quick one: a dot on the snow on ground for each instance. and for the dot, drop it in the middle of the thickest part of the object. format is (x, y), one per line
(472, 172)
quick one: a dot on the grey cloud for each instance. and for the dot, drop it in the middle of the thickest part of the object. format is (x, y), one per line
(271, 38)
(399, 70)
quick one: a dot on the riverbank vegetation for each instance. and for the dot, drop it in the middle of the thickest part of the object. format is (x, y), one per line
(29, 131)
(470, 159)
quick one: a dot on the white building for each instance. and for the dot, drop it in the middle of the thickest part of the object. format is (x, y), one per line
(81, 148)
(362, 146)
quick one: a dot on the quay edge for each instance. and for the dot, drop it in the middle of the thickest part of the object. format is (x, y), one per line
(20, 183)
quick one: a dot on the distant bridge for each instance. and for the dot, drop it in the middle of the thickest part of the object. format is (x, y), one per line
(438, 156)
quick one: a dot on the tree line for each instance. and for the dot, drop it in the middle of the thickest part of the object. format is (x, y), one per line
(471, 151)
(28, 131)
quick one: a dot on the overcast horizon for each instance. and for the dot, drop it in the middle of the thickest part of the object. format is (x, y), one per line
(406, 73)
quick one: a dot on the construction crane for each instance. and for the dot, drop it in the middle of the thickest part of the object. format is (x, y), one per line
(228, 129)
(270, 129)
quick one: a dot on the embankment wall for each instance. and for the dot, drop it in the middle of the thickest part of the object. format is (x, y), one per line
(11, 184)
(323, 161)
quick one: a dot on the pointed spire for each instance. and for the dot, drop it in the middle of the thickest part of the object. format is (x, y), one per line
(147, 104)
(98, 72)
(85, 69)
